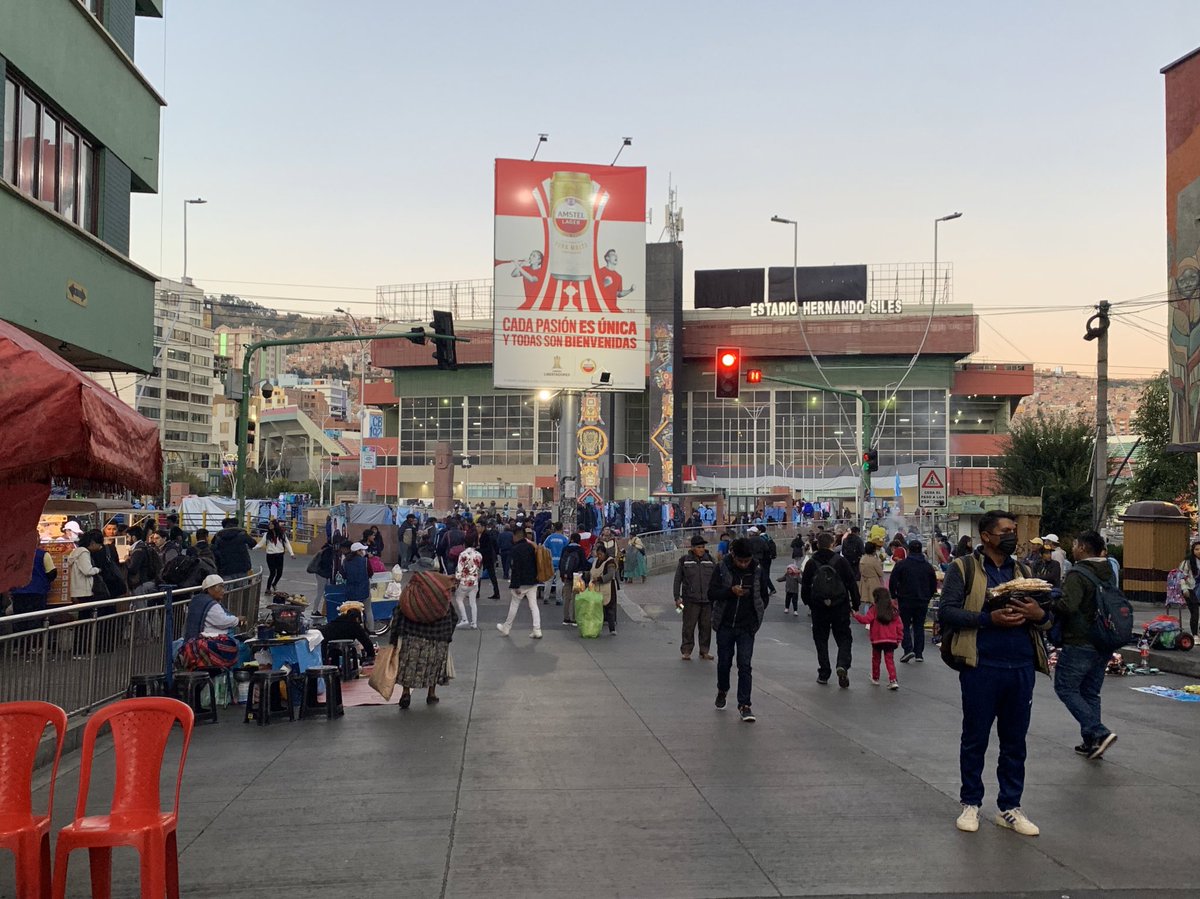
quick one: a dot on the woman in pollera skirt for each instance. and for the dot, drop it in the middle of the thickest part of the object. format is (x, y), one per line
(424, 654)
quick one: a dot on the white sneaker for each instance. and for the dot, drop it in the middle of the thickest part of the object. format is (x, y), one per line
(503, 629)
(1014, 819)
(796, 612)
(462, 624)
(968, 819)
(875, 681)
(475, 626)
(892, 685)
(536, 635)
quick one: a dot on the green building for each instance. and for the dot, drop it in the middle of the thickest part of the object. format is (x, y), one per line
(81, 132)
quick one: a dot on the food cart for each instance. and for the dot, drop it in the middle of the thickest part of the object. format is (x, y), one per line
(102, 514)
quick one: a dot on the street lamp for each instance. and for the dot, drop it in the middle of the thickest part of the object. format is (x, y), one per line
(362, 399)
(936, 222)
(199, 201)
(795, 251)
(635, 461)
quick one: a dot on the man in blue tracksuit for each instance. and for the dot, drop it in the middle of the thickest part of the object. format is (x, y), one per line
(997, 649)
(556, 542)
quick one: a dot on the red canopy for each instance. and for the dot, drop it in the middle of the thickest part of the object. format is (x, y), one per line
(58, 422)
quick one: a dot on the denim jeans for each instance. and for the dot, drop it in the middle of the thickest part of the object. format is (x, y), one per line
(914, 628)
(1078, 680)
(729, 641)
(1003, 696)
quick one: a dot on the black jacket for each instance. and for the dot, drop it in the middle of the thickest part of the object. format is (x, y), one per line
(913, 581)
(840, 565)
(524, 565)
(853, 549)
(745, 613)
(231, 548)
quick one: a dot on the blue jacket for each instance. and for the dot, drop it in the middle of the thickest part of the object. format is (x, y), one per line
(358, 577)
(556, 543)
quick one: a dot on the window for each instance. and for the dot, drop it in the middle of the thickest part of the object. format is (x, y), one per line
(10, 132)
(148, 412)
(178, 355)
(45, 156)
(201, 380)
(180, 436)
(199, 418)
(224, 427)
(174, 374)
(177, 395)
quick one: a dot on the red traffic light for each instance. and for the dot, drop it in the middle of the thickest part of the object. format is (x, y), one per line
(754, 376)
(729, 372)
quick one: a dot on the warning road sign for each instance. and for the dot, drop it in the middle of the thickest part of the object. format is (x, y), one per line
(931, 482)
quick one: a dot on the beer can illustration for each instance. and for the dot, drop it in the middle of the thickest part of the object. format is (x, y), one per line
(571, 233)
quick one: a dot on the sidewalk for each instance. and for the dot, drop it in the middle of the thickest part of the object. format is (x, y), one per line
(565, 767)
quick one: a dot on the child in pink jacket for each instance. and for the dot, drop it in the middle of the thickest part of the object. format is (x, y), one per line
(887, 630)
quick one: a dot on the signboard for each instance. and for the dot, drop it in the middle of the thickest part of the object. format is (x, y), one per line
(374, 424)
(931, 486)
(366, 458)
(570, 275)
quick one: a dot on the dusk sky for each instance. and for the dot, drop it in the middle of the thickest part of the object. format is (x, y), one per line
(342, 146)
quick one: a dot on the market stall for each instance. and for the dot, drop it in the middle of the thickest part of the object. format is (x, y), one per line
(59, 423)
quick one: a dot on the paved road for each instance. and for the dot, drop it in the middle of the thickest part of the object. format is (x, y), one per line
(564, 767)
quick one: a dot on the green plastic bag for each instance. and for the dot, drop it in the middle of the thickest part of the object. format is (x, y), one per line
(589, 613)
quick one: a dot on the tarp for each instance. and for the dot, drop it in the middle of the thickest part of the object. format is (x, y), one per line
(58, 422)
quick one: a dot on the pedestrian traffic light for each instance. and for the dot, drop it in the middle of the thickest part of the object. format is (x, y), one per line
(251, 427)
(871, 459)
(754, 376)
(729, 372)
(444, 351)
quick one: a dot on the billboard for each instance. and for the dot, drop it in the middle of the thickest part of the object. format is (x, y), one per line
(570, 275)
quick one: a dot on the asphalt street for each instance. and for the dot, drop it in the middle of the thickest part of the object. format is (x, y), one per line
(565, 767)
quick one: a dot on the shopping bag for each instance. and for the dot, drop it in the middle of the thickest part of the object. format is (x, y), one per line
(589, 613)
(387, 666)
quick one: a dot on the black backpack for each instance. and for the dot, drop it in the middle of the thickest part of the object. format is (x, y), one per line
(827, 586)
(181, 569)
(568, 562)
(772, 551)
(1112, 622)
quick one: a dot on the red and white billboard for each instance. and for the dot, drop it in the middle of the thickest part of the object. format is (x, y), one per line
(570, 276)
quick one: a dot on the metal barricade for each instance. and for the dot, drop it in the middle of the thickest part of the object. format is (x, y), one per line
(83, 655)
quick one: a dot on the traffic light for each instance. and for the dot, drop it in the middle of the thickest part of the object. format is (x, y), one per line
(729, 372)
(754, 376)
(445, 351)
(251, 427)
(871, 460)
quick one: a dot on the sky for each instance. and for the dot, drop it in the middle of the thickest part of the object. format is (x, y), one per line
(344, 146)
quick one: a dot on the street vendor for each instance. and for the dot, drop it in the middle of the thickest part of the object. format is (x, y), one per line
(349, 626)
(206, 639)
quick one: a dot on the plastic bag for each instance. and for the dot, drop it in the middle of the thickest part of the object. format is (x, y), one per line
(589, 613)
(578, 584)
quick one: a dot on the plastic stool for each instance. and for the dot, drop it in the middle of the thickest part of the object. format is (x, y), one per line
(146, 685)
(267, 682)
(332, 706)
(348, 659)
(190, 686)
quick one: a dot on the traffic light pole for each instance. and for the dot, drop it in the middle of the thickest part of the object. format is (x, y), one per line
(867, 427)
(244, 403)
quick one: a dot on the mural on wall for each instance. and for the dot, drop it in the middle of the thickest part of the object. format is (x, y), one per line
(662, 408)
(1183, 248)
(592, 446)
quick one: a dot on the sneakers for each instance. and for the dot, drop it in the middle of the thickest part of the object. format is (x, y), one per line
(536, 635)
(843, 678)
(796, 612)
(875, 681)
(908, 657)
(893, 685)
(747, 714)
(823, 681)
(707, 656)
(920, 659)
(1084, 748)
(1097, 751)
(1014, 819)
(474, 625)
(968, 819)
(720, 703)
(686, 657)
(463, 624)
(503, 629)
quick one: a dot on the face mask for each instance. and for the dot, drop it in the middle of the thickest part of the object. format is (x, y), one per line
(1007, 544)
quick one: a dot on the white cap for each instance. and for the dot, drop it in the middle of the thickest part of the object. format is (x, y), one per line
(212, 580)
(752, 531)
(1050, 538)
(357, 546)
(73, 526)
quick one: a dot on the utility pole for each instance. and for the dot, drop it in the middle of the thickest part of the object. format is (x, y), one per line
(1097, 330)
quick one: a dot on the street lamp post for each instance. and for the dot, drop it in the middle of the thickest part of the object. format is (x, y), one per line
(199, 201)
(635, 461)
(936, 222)
(362, 399)
(795, 251)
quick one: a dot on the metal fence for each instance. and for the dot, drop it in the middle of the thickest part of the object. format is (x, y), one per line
(82, 656)
(679, 539)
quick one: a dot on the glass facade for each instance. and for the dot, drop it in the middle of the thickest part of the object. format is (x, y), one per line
(494, 429)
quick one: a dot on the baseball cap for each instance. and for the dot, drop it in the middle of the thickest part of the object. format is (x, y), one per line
(355, 547)
(699, 541)
(1050, 538)
(73, 526)
(752, 531)
(211, 581)
(1036, 541)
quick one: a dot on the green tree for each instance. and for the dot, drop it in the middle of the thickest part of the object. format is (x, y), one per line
(1158, 474)
(1051, 457)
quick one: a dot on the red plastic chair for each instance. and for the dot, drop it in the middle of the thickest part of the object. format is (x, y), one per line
(26, 834)
(140, 729)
